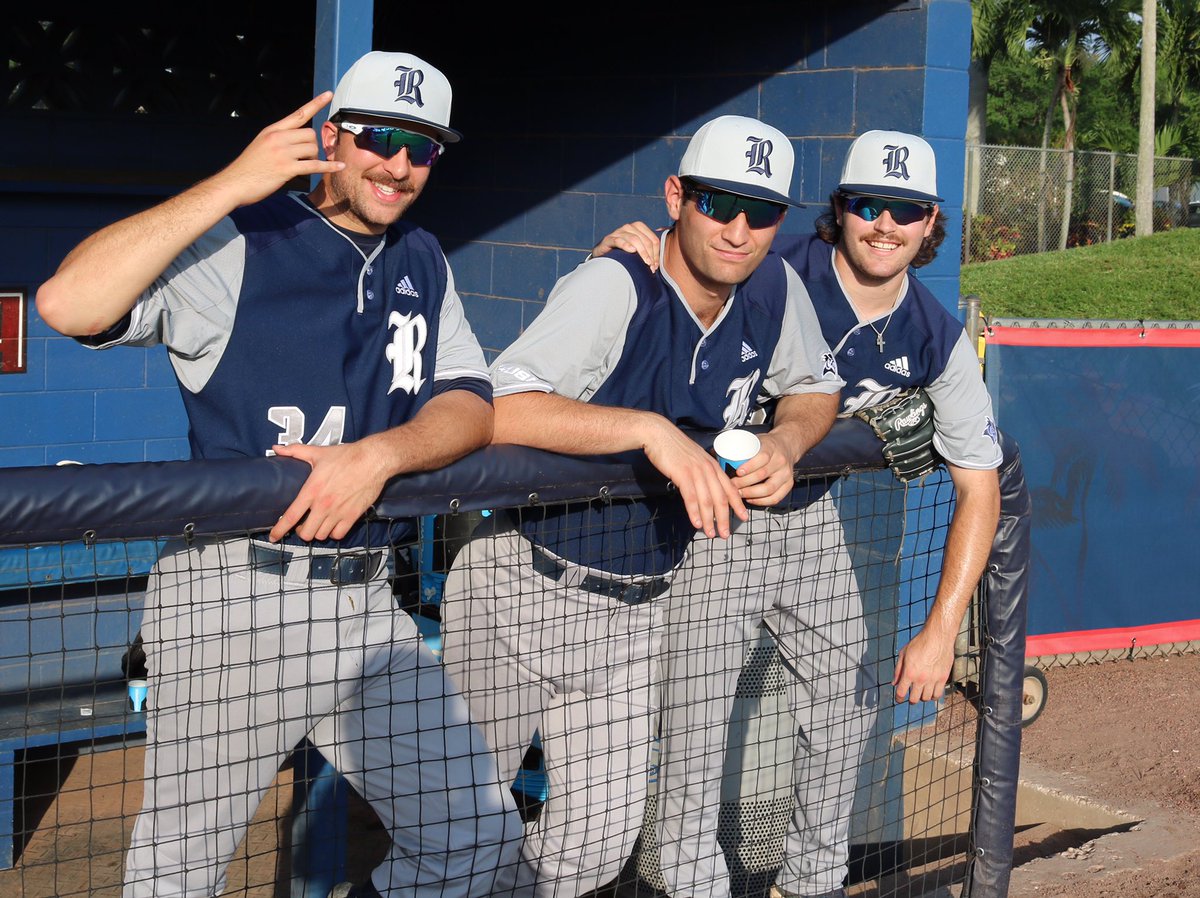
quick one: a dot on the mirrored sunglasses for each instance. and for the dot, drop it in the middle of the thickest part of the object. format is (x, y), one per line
(725, 207)
(904, 212)
(387, 141)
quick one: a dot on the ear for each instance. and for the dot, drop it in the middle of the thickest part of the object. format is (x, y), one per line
(673, 194)
(839, 208)
(329, 139)
(930, 221)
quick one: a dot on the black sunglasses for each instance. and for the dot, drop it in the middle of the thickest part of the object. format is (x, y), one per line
(725, 207)
(387, 141)
(904, 212)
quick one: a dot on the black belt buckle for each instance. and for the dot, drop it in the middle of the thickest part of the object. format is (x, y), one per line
(639, 593)
(343, 569)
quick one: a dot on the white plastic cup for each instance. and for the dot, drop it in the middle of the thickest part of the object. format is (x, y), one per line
(735, 447)
(137, 695)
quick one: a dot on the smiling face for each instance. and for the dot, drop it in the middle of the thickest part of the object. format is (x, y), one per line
(371, 192)
(707, 254)
(877, 253)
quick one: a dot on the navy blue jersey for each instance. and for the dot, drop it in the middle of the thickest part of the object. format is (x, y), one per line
(281, 329)
(923, 346)
(615, 334)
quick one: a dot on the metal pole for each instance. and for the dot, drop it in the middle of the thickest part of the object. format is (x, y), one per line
(974, 321)
(969, 210)
(1112, 186)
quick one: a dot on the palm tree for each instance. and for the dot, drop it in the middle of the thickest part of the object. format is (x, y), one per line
(1177, 81)
(1178, 74)
(1144, 220)
(1067, 34)
(998, 29)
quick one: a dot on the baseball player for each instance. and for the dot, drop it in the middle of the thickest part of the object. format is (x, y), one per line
(319, 327)
(551, 621)
(889, 334)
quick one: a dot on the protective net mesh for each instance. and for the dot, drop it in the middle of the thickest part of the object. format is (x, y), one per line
(501, 717)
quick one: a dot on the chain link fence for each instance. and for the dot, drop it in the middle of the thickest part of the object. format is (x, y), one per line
(1015, 199)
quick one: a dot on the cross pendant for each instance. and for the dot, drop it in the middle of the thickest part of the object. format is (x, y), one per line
(879, 341)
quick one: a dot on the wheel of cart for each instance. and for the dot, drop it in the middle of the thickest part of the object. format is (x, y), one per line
(1033, 695)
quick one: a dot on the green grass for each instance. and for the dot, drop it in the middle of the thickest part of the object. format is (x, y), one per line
(1148, 278)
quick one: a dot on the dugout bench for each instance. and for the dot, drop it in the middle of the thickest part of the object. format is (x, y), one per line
(68, 613)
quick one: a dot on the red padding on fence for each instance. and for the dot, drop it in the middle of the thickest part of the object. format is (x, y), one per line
(1114, 638)
(1088, 336)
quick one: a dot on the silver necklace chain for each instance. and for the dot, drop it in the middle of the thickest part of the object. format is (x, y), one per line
(879, 331)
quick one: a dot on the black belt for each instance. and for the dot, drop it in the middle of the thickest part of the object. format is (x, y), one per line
(340, 569)
(621, 590)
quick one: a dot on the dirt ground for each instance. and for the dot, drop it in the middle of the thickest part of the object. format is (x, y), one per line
(1122, 736)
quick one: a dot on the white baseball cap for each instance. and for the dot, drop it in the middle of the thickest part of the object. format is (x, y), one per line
(891, 164)
(743, 156)
(399, 86)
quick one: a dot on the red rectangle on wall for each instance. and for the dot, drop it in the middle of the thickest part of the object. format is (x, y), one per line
(12, 331)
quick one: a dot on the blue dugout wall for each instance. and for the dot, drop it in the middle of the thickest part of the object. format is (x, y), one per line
(111, 111)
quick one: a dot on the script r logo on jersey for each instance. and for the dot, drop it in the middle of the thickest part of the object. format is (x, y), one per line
(404, 352)
(408, 85)
(740, 392)
(871, 393)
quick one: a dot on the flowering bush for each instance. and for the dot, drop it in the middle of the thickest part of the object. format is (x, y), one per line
(992, 241)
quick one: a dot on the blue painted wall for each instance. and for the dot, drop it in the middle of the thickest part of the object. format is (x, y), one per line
(561, 146)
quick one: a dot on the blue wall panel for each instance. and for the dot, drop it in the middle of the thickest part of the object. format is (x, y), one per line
(889, 41)
(890, 100)
(527, 272)
(948, 54)
(807, 103)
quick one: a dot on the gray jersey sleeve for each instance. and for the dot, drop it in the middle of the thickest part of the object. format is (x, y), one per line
(577, 340)
(964, 428)
(190, 307)
(458, 352)
(803, 362)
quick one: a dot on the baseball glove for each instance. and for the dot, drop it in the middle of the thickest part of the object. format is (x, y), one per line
(905, 424)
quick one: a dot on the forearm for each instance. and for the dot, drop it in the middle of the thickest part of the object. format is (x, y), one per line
(968, 542)
(348, 477)
(446, 428)
(553, 422)
(559, 424)
(802, 420)
(102, 278)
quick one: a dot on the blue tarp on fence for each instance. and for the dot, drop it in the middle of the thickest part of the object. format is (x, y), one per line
(1108, 420)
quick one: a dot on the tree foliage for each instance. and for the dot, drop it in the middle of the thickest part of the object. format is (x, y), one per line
(1089, 52)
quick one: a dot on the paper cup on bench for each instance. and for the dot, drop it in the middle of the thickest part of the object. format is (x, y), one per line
(137, 695)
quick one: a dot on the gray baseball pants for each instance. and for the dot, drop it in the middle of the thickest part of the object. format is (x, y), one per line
(539, 653)
(247, 655)
(793, 569)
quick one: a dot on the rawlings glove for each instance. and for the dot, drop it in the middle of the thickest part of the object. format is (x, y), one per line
(905, 424)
